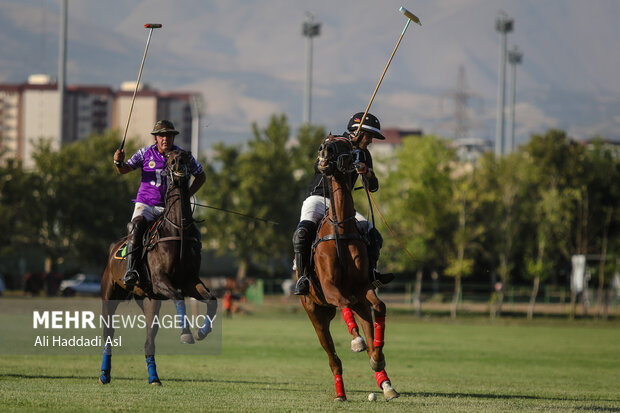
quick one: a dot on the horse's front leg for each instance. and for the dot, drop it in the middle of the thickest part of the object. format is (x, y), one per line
(186, 334)
(357, 344)
(151, 310)
(321, 318)
(108, 308)
(377, 359)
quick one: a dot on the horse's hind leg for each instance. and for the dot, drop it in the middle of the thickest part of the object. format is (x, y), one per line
(200, 292)
(108, 308)
(375, 353)
(377, 359)
(151, 310)
(321, 317)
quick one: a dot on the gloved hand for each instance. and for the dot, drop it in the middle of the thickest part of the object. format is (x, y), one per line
(119, 155)
(361, 168)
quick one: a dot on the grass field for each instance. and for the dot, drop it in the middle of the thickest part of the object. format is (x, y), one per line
(271, 361)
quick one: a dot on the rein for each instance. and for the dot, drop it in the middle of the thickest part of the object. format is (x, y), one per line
(334, 222)
(171, 200)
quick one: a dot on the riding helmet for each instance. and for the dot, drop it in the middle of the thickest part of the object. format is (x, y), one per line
(371, 124)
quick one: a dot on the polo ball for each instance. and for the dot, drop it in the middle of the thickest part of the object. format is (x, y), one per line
(372, 397)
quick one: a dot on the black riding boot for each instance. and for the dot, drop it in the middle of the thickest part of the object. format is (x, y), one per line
(376, 242)
(136, 230)
(302, 241)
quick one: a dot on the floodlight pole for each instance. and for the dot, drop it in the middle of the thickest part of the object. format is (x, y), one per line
(514, 58)
(503, 25)
(309, 29)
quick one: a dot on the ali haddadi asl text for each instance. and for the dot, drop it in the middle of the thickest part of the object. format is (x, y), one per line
(76, 341)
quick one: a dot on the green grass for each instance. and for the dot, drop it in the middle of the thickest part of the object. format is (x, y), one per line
(272, 361)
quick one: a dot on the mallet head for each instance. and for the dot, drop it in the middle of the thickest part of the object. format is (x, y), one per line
(157, 25)
(410, 15)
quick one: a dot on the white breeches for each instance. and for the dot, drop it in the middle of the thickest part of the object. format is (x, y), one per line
(314, 209)
(150, 213)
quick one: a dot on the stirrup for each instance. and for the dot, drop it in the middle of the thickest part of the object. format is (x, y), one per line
(380, 280)
(131, 278)
(302, 287)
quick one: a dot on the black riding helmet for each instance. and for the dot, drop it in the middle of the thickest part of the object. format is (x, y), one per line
(371, 124)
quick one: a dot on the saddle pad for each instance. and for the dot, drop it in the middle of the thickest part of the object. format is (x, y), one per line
(121, 252)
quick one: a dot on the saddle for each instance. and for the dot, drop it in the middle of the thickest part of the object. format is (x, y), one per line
(314, 279)
(150, 239)
(147, 242)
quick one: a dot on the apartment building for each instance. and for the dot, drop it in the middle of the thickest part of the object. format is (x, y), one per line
(30, 112)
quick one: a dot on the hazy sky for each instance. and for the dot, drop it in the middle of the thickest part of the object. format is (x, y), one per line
(248, 58)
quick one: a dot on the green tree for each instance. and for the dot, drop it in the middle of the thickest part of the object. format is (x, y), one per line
(81, 205)
(304, 154)
(258, 182)
(415, 198)
(552, 216)
(500, 189)
(553, 165)
(467, 231)
(601, 194)
(18, 191)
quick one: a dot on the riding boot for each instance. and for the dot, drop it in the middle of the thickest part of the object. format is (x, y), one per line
(136, 230)
(374, 247)
(379, 279)
(302, 242)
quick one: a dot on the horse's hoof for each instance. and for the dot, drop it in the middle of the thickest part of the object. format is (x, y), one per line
(104, 378)
(199, 335)
(390, 394)
(187, 338)
(358, 344)
(377, 365)
(340, 399)
(388, 391)
(156, 382)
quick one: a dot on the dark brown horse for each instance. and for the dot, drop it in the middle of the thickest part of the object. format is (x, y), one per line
(341, 265)
(171, 263)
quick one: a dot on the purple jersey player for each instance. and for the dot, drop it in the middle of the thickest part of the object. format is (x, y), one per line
(149, 202)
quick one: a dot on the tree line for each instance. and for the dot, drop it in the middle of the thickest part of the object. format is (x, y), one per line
(515, 219)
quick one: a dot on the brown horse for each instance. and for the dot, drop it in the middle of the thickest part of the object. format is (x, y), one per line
(172, 262)
(341, 265)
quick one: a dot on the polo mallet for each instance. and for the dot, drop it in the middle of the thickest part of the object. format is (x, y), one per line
(150, 26)
(410, 17)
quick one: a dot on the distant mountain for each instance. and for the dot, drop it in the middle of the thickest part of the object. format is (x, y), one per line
(248, 59)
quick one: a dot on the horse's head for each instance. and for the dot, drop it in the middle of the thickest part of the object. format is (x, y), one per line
(335, 156)
(178, 166)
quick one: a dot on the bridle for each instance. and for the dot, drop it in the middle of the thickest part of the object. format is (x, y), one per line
(332, 160)
(177, 169)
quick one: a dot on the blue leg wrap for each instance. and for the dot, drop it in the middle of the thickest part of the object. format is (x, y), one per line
(152, 368)
(206, 327)
(106, 367)
(182, 313)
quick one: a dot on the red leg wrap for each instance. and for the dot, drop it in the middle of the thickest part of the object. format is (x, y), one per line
(347, 314)
(381, 376)
(339, 386)
(379, 331)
